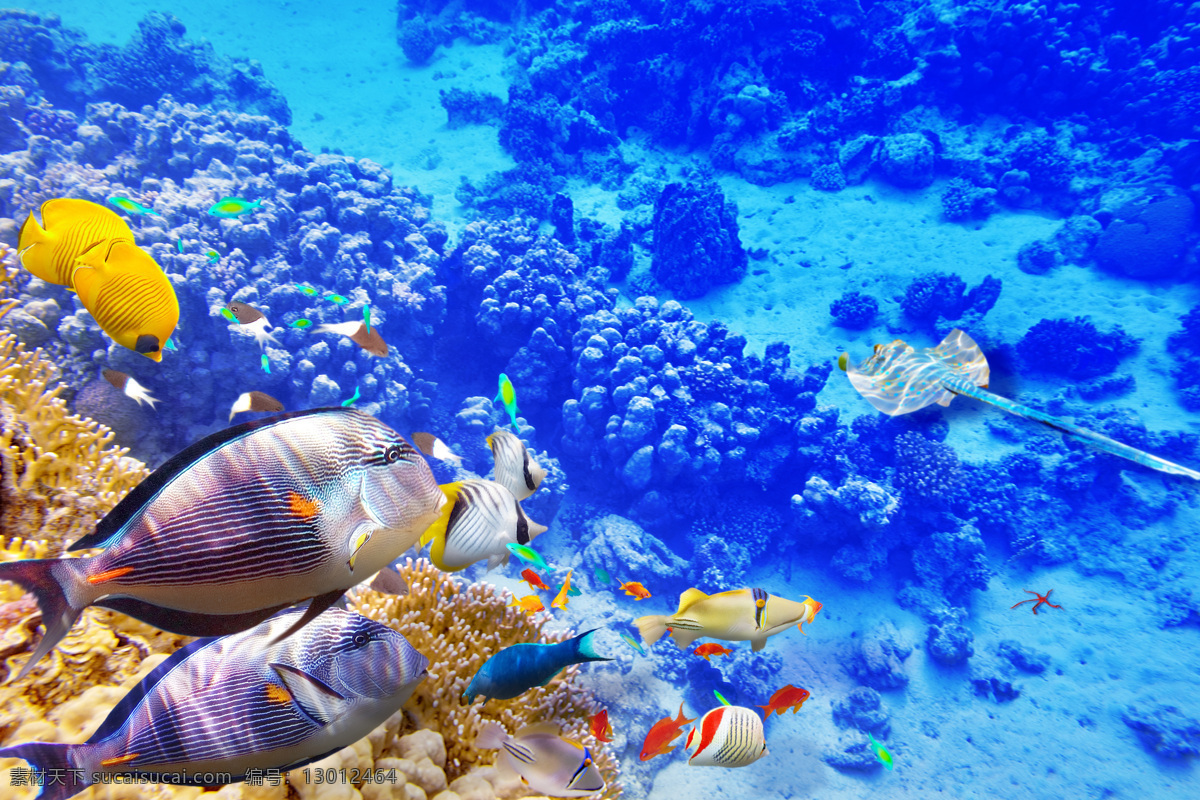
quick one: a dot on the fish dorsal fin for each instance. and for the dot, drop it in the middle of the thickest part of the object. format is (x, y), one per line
(689, 599)
(142, 494)
(311, 694)
(540, 729)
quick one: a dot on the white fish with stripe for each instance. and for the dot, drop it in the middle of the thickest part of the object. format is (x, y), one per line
(738, 615)
(515, 467)
(125, 384)
(727, 736)
(242, 524)
(545, 761)
(243, 702)
(478, 521)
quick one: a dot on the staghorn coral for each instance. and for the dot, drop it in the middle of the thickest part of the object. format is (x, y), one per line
(459, 626)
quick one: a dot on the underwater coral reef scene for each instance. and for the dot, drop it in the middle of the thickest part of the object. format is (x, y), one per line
(613, 398)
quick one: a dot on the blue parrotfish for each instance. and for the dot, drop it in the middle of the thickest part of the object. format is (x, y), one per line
(231, 207)
(479, 520)
(243, 523)
(243, 702)
(352, 399)
(547, 763)
(898, 378)
(515, 467)
(508, 396)
(131, 206)
(520, 667)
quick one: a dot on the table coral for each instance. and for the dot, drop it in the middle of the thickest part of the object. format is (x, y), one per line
(458, 627)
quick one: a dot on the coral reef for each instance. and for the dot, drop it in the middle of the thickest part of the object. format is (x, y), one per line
(696, 245)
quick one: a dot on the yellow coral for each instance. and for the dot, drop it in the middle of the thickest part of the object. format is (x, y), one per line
(458, 627)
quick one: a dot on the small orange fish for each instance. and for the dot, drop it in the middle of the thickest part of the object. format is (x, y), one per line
(534, 580)
(635, 590)
(560, 601)
(812, 607)
(601, 727)
(530, 604)
(666, 730)
(711, 649)
(789, 696)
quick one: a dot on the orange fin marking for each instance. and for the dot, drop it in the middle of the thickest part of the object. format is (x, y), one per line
(278, 694)
(112, 762)
(303, 507)
(109, 575)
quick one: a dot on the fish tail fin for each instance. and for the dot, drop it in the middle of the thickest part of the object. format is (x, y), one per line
(46, 759)
(264, 335)
(37, 576)
(766, 711)
(651, 627)
(585, 648)
(491, 736)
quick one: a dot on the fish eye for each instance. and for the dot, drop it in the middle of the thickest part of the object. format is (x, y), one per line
(361, 639)
(392, 454)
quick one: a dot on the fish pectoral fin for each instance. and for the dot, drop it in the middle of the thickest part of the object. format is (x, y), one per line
(358, 538)
(758, 643)
(319, 604)
(496, 561)
(389, 581)
(310, 694)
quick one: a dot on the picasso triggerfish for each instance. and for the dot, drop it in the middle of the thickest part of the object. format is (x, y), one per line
(242, 702)
(242, 524)
(737, 615)
(545, 761)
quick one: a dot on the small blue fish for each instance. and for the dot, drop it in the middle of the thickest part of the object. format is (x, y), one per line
(231, 207)
(227, 314)
(307, 291)
(179, 245)
(266, 364)
(367, 317)
(520, 667)
(602, 575)
(280, 705)
(724, 702)
(170, 345)
(634, 643)
(302, 323)
(341, 300)
(528, 555)
(508, 395)
(213, 256)
(353, 398)
(572, 591)
(131, 207)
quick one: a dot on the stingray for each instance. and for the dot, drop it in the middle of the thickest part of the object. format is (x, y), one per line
(898, 379)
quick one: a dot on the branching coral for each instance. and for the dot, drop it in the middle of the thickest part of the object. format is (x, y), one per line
(458, 627)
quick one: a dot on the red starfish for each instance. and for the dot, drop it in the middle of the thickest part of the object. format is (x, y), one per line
(1041, 598)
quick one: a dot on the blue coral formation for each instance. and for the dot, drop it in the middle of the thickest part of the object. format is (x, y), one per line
(696, 244)
(1074, 348)
(854, 310)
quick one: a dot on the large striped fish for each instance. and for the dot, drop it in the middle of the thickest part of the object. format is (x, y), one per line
(515, 468)
(737, 616)
(727, 736)
(69, 228)
(480, 519)
(242, 702)
(244, 523)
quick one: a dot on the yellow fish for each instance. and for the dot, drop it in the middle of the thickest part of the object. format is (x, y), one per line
(69, 228)
(560, 601)
(129, 295)
(530, 604)
(739, 615)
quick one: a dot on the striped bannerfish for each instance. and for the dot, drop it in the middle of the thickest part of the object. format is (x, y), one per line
(515, 468)
(546, 762)
(243, 702)
(738, 615)
(71, 228)
(727, 736)
(129, 295)
(480, 519)
(244, 523)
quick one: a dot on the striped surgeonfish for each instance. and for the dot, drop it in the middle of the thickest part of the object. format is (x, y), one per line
(727, 736)
(548, 763)
(242, 702)
(480, 519)
(736, 616)
(515, 468)
(244, 523)
(69, 228)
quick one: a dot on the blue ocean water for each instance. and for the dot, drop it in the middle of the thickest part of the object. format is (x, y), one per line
(664, 222)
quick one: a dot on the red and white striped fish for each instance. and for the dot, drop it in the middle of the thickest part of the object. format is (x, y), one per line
(727, 736)
(242, 524)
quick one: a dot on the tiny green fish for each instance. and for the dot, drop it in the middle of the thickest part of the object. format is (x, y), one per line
(724, 702)
(527, 554)
(227, 314)
(353, 397)
(634, 643)
(881, 752)
(341, 300)
(572, 591)
(213, 256)
(131, 207)
(602, 575)
(508, 395)
(307, 291)
(367, 317)
(302, 323)
(266, 364)
(179, 245)
(170, 345)
(231, 207)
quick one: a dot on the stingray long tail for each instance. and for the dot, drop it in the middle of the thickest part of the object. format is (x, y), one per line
(1096, 440)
